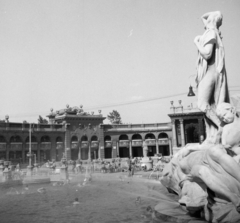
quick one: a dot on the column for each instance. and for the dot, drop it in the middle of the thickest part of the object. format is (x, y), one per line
(95, 154)
(38, 152)
(170, 147)
(182, 132)
(7, 151)
(23, 152)
(101, 143)
(130, 147)
(89, 150)
(99, 150)
(157, 146)
(117, 148)
(114, 149)
(67, 142)
(79, 151)
(174, 133)
(53, 148)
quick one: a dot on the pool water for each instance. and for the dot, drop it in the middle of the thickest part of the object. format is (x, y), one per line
(107, 198)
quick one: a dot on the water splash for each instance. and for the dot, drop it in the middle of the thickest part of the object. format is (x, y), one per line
(41, 190)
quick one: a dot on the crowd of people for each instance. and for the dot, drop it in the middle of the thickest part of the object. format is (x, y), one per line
(128, 165)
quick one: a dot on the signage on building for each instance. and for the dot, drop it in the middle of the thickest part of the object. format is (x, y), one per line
(108, 144)
(74, 145)
(123, 143)
(84, 145)
(34, 146)
(59, 145)
(151, 142)
(137, 143)
(45, 145)
(16, 146)
(94, 144)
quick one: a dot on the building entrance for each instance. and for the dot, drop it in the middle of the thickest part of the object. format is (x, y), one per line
(84, 153)
(152, 150)
(3, 156)
(192, 135)
(74, 154)
(123, 152)
(137, 151)
(108, 152)
(164, 150)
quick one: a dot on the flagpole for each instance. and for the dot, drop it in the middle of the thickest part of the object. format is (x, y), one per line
(29, 172)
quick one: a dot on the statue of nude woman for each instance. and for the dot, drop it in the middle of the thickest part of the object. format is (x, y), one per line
(211, 73)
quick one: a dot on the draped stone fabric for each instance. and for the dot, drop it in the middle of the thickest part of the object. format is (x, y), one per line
(221, 89)
(193, 193)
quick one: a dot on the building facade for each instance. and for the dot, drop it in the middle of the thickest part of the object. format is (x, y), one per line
(82, 135)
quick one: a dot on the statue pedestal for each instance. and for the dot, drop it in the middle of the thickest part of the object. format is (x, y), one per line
(63, 172)
(6, 175)
(1, 170)
(29, 170)
(147, 162)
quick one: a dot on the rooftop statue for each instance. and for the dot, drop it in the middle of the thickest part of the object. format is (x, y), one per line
(206, 176)
(81, 111)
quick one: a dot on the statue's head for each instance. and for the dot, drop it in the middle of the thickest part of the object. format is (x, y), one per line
(226, 112)
(214, 20)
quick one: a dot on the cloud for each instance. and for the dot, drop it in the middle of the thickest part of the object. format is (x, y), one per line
(131, 32)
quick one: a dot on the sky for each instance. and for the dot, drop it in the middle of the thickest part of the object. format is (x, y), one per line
(106, 55)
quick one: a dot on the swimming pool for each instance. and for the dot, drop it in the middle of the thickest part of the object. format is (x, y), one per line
(108, 198)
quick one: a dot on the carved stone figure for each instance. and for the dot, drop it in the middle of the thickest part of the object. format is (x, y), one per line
(145, 149)
(206, 176)
(146, 161)
(211, 73)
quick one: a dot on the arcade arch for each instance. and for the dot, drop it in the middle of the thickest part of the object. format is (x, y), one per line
(45, 148)
(84, 147)
(3, 148)
(123, 146)
(74, 148)
(59, 148)
(163, 142)
(94, 147)
(15, 153)
(34, 148)
(107, 147)
(137, 150)
(151, 142)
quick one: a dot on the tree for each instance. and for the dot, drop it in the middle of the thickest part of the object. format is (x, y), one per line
(114, 117)
(41, 120)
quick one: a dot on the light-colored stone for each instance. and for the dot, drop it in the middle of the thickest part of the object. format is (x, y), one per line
(206, 177)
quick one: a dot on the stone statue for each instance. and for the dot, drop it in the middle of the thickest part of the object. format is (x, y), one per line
(211, 73)
(196, 170)
(206, 176)
(146, 161)
(145, 149)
